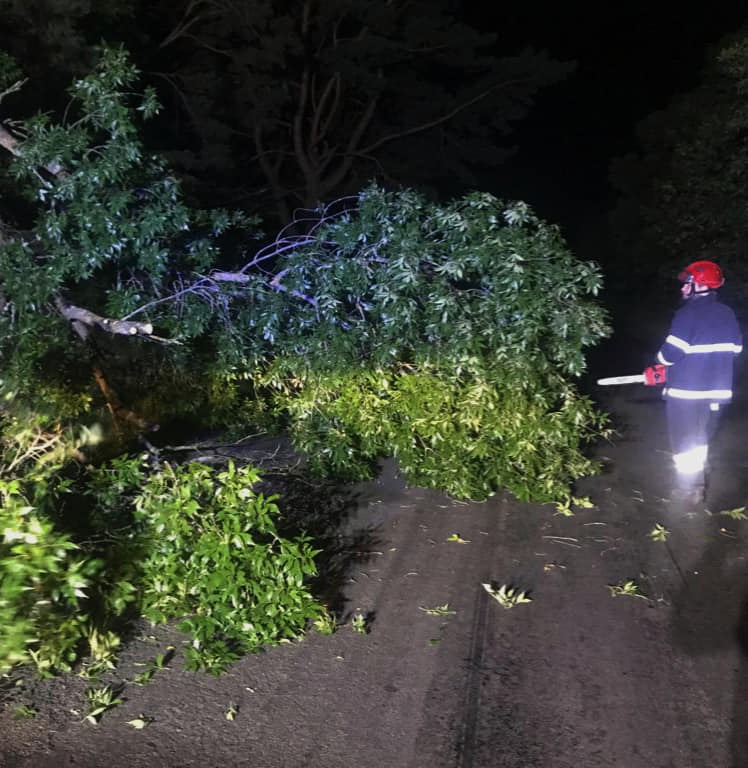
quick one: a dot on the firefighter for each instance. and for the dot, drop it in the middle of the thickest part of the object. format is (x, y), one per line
(699, 351)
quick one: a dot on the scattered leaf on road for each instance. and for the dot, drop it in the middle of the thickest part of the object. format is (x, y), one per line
(140, 722)
(738, 513)
(506, 596)
(438, 610)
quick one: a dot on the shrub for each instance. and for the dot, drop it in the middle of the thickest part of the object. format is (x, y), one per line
(183, 543)
(44, 578)
(213, 559)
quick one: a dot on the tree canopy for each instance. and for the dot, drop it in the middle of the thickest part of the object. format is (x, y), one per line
(105, 231)
(683, 192)
(321, 96)
(280, 105)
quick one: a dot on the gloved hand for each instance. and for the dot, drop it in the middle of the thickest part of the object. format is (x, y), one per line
(655, 375)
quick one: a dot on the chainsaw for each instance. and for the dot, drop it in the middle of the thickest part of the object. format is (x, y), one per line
(651, 377)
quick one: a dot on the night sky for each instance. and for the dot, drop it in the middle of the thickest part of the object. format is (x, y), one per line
(632, 59)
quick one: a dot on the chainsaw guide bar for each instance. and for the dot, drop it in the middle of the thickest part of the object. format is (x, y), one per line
(635, 379)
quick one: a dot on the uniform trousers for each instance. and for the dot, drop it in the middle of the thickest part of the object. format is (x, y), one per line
(691, 426)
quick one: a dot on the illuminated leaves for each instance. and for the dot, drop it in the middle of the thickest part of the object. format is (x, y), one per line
(507, 596)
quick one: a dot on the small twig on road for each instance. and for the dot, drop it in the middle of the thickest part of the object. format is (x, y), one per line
(565, 540)
(609, 549)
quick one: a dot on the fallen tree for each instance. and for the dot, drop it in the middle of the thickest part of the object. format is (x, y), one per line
(449, 335)
(382, 294)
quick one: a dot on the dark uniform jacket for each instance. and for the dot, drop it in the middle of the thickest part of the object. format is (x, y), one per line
(700, 349)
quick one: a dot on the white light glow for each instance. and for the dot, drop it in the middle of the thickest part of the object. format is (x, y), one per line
(691, 461)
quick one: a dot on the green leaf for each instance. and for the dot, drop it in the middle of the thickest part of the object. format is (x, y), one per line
(140, 722)
(738, 513)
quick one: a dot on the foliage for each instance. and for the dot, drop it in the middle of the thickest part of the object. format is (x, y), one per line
(400, 279)
(34, 448)
(214, 559)
(737, 513)
(60, 44)
(477, 298)
(683, 192)
(45, 577)
(368, 90)
(59, 589)
(201, 547)
(359, 624)
(161, 660)
(659, 533)
(506, 596)
(445, 335)
(181, 543)
(325, 623)
(111, 232)
(100, 700)
(626, 589)
(44, 580)
(468, 434)
(10, 73)
(438, 610)
(24, 712)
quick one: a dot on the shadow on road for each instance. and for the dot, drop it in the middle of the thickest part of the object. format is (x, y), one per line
(710, 622)
(739, 736)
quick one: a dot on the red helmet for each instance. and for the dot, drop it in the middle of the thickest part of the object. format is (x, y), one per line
(704, 272)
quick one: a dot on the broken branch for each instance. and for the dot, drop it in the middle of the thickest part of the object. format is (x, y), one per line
(13, 145)
(91, 319)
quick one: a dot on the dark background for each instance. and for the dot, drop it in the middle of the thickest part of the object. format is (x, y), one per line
(631, 60)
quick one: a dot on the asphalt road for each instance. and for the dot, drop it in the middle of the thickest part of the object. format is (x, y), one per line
(447, 677)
